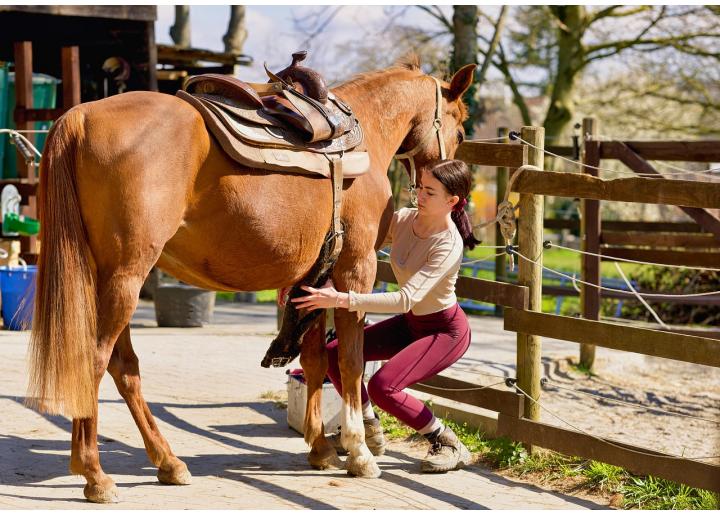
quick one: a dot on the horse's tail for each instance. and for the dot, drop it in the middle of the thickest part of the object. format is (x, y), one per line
(63, 341)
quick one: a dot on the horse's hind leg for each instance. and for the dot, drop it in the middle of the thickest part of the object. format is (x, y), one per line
(117, 298)
(313, 358)
(125, 371)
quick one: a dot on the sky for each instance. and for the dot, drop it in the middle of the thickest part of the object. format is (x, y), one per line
(272, 36)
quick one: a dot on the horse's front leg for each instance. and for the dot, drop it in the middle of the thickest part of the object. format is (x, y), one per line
(350, 331)
(313, 359)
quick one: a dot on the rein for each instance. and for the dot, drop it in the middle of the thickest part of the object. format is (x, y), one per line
(434, 129)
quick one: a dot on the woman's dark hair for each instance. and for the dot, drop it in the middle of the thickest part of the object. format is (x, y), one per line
(455, 176)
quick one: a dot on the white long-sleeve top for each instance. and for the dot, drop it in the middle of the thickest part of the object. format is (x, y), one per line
(426, 270)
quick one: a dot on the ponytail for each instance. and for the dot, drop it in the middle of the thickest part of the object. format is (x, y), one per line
(464, 226)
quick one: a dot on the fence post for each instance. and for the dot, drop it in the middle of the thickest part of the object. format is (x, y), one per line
(501, 180)
(590, 239)
(530, 239)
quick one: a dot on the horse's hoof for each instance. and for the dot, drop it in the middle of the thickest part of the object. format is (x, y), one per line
(102, 493)
(328, 460)
(364, 467)
(177, 474)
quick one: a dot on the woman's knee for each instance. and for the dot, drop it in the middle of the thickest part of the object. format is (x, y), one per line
(379, 389)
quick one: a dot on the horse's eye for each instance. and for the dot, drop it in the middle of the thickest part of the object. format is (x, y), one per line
(460, 136)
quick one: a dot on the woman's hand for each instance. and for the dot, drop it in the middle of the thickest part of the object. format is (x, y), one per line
(324, 298)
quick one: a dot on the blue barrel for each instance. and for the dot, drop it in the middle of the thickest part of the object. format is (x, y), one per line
(17, 288)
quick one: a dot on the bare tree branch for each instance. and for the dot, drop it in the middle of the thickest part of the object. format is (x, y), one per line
(437, 13)
(492, 47)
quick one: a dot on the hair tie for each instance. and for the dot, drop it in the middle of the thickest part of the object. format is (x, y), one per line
(460, 205)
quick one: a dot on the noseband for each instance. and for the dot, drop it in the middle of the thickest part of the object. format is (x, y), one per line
(434, 129)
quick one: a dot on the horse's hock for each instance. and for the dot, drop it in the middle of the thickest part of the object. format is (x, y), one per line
(181, 305)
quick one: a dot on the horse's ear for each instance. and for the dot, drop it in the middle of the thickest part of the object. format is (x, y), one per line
(461, 81)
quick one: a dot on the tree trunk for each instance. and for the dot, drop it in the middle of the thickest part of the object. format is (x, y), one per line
(180, 32)
(570, 61)
(236, 33)
(465, 51)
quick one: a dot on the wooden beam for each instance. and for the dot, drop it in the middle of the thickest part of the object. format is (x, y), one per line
(508, 402)
(675, 257)
(590, 226)
(636, 163)
(492, 154)
(633, 189)
(698, 350)
(169, 54)
(551, 290)
(640, 461)
(689, 151)
(70, 76)
(565, 151)
(530, 239)
(23, 115)
(24, 100)
(134, 12)
(662, 239)
(558, 224)
(510, 295)
(653, 226)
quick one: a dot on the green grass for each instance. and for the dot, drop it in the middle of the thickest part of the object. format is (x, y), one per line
(648, 492)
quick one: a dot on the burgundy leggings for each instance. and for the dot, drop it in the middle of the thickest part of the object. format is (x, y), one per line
(416, 348)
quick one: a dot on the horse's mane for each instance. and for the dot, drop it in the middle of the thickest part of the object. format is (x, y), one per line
(409, 62)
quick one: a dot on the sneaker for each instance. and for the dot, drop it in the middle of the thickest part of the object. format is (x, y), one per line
(374, 438)
(447, 453)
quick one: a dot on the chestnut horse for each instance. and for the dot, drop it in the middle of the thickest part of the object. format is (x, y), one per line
(135, 180)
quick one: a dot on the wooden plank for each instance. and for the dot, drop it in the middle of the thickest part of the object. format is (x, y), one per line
(705, 219)
(508, 402)
(530, 239)
(690, 151)
(492, 154)
(551, 290)
(662, 239)
(652, 226)
(170, 54)
(23, 115)
(590, 226)
(135, 12)
(565, 151)
(675, 257)
(499, 293)
(640, 461)
(70, 56)
(24, 100)
(634, 189)
(558, 224)
(698, 350)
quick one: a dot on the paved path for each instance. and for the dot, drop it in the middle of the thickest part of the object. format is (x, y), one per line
(204, 387)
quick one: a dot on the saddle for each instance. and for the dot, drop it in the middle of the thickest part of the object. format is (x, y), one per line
(291, 124)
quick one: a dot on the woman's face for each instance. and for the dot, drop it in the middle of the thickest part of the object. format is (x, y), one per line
(433, 198)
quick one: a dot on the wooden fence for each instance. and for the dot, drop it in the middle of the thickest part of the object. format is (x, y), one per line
(518, 417)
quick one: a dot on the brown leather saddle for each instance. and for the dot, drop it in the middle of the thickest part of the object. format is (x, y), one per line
(293, 123)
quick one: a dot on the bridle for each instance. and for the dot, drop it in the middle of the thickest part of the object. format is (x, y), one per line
(434, 129)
